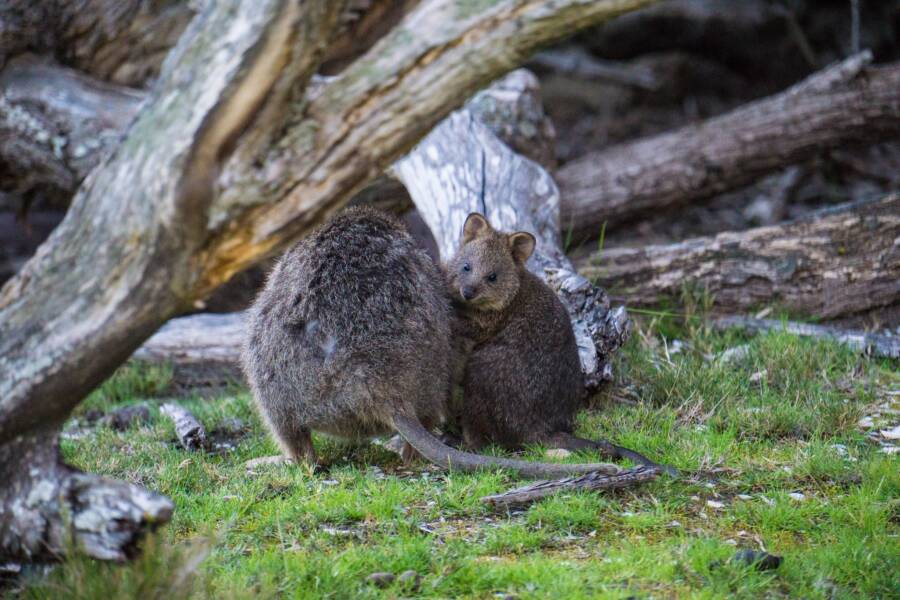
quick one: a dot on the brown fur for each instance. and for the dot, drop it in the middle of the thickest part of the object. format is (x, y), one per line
(519, 371)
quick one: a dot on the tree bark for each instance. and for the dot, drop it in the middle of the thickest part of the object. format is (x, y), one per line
(838, 262)
(230, 159)
(846, 103)
(462, 167)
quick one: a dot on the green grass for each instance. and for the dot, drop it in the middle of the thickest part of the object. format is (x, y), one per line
(746, 434)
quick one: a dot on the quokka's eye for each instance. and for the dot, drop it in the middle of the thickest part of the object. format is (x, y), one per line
(492, 277)
(467, 267)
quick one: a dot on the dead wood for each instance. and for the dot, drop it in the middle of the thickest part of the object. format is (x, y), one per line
(204, 350)
(190, 432)
(849, 102)
(47, 506)
(870, 343)
(592, 481)
(231, 158)
(837, 262)
(577, 62)
(55, 125)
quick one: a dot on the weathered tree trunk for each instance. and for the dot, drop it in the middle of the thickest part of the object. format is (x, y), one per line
(229, 160)
(846, 103)
(462, 167)
(840, 261)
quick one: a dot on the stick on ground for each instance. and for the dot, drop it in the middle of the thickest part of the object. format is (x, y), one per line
(190, 432)
(591, 481)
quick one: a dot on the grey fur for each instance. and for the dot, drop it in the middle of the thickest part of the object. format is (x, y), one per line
(351, 329)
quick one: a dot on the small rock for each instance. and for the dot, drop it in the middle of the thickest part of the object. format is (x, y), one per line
(840, 449)
(744, 497)
(381, 580)
(330, 482)
(762, 561)
(557, 453)
(674, 524)
(889, 450)
(866, 423)
(410, 581)
(758, 376)
(891, 434)
(93, 415)
(799, 497)
(736, 354)
(266, 460)
(715, 504)
(232, 426)
(124, 418)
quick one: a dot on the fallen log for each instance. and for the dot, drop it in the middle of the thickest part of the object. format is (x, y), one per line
(204, 350)
(841, 261)
(849, 102)
(591, 481)
(869, 343)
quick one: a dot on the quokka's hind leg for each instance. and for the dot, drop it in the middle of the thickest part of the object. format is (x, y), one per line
(296, 444)
(606, 449)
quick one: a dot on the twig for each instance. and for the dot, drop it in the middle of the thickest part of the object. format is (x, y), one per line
(590, 481)
(876, 344)
(579, 63)
(854, 26)
(188, 429)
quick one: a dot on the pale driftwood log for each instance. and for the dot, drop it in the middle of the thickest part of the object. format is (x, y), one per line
(191, 434)
(838, 262)
(874, 344)
(592, 481)
(229, 160)
(846, 103)
(462, 167)
(203, 349)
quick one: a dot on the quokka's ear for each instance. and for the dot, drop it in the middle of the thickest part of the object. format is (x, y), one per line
(475, 226)
(521, 244)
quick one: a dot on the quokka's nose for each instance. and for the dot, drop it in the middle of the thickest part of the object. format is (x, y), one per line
(468, 292)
